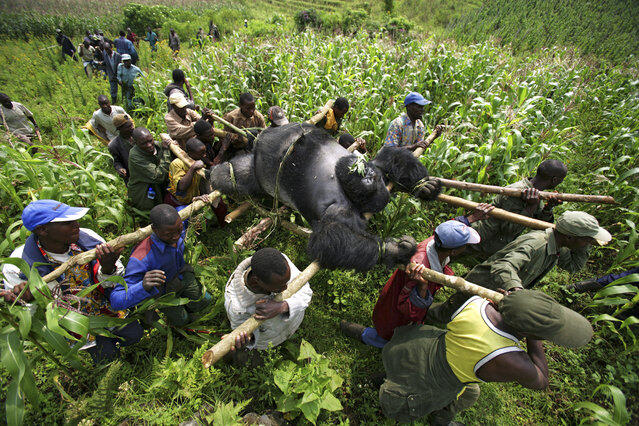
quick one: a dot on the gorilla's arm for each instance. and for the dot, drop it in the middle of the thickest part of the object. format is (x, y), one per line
(236, 176)
(400, 166)
(340, 240)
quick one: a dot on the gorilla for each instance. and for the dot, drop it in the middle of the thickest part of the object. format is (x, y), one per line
(303, 167)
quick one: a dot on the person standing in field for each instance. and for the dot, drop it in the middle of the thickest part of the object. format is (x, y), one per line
(120, 146)
(149, 168)
(127, 73)
(18, 120)
(152, 38)
(87, 55)
(244, 117)
(101, 123)
(111, 60)
(174, 42)
(408, 130)
(67, 47)
(199, 36)
(132, 37)
(430, 371)
(125, 47)
(181, 83)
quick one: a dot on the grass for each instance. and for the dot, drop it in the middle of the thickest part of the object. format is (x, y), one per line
(505, 113)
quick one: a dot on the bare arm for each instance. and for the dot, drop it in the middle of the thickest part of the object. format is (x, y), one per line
(528, 369)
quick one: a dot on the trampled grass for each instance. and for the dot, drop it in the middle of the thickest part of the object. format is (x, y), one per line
(504, 114)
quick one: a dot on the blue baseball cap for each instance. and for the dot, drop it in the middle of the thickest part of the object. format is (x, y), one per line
(415, 98)
(454, 234)
(41, 212)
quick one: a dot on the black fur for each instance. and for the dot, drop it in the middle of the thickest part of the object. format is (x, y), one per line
(315, 178)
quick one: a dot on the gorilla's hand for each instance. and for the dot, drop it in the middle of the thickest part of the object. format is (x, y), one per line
(398, 251)
(427, 188)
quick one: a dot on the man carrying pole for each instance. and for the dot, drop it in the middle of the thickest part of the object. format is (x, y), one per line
(496, 234)
(436, 372)
(527, 260)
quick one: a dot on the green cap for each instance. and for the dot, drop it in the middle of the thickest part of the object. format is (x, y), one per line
(581, 224)
(535, 313)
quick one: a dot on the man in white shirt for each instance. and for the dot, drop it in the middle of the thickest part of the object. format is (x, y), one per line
(18, 120)
(250, 292)
(101, 124)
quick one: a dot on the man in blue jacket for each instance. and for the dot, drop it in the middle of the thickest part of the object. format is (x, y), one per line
(157, 267)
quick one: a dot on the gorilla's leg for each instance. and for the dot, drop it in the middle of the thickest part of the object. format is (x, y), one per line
(236, 176)
(340, 240)
(400, 166)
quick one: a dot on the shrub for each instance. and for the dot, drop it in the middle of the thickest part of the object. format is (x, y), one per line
(139, 17)
(307, 18)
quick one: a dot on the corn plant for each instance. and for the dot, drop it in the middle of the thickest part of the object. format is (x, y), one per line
(618, 415)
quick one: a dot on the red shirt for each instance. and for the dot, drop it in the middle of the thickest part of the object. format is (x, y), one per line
(394, 307)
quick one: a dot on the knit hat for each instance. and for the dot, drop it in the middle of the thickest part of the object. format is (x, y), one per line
(537, 314)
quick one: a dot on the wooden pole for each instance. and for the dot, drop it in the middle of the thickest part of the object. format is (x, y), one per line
(125, 240)
(458, 283)
(515, 192)
(321, 114)
(237, 212)
(233, 127)
(497, 213)
(223, 347)
(179, 153)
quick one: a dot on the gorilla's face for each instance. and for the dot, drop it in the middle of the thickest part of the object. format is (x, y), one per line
(364, 188)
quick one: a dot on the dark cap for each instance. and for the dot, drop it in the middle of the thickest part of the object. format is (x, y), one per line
(277, 116)
(537, 314)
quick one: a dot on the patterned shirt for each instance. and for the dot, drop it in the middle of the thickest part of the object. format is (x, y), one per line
(402, 132)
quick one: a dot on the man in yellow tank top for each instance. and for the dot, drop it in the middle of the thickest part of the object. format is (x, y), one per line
(434, 371)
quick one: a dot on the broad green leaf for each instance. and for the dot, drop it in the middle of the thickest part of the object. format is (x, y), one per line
(620, 412)
(311, 410)
(39, 289)
(600, 413)
(73, 321)
(14, 404)
(53, 317)
(12, 355)
(307, 351)
(618, 289)
(24, 314)
(330, 403)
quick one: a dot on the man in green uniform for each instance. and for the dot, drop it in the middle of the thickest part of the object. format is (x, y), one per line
(495, 233)
(427, 368)
(148, 169)
(525, 261)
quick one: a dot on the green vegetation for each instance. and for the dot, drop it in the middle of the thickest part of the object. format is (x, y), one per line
(604, 28)
(504, 114)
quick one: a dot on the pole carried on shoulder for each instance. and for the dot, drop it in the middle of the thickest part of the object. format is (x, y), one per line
(223, 347)
(515, 192)
(321, 114)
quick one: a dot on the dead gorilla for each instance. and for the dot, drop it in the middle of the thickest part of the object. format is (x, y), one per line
(316, 178)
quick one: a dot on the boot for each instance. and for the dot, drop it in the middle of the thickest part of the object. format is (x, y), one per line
(351, 329)
(584, 286)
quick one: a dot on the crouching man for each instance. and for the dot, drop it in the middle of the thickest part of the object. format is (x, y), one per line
(157, 267)
(250, 292)
(56, 237)
(434, 371)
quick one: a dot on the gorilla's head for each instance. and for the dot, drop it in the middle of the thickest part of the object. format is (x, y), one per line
(363, 185)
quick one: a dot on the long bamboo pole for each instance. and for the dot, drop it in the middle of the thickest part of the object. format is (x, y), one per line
(223, 347)
(321, 114)
(458, 283)
(125, 240)
(231, 126)
(179, 153)
(497, 213)
(515, 192)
